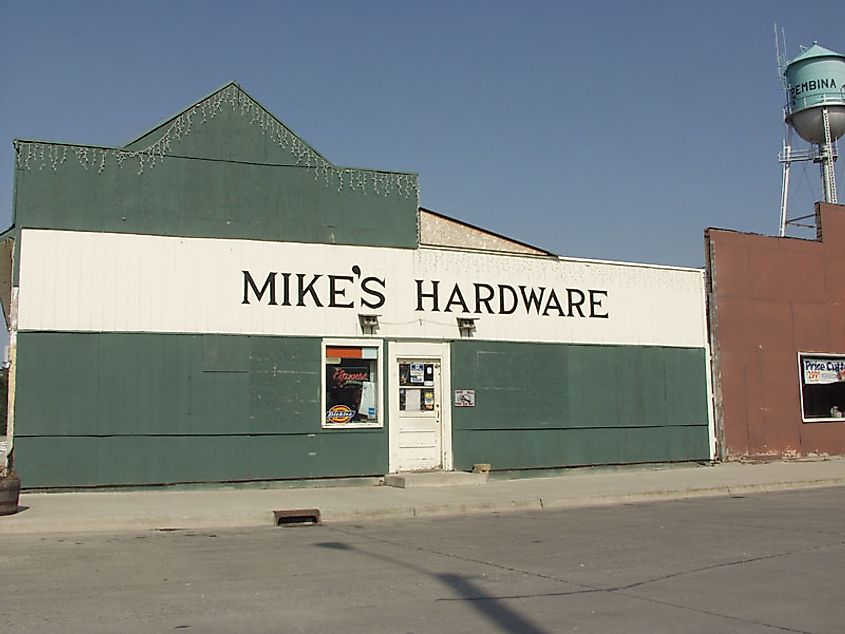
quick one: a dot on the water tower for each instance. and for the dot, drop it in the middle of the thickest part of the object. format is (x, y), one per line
(815, 109)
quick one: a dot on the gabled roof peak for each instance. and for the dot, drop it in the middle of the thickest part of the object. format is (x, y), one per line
(171, 118)
(266, 140)
(232, 95)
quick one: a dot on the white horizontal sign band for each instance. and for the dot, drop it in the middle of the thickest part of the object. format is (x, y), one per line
(80, 281)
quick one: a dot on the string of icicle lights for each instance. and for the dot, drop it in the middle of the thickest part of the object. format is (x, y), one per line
(31, 155)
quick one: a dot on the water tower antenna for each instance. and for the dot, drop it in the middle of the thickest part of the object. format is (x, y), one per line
(780, 53)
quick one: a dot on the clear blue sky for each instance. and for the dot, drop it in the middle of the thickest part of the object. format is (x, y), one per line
(613, 130)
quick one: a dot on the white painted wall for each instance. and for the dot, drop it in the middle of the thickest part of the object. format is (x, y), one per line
(79, 281)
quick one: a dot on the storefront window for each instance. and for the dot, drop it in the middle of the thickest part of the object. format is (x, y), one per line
(822, 387)
(351, 386)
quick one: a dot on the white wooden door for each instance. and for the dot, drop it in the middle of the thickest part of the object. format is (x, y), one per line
(419, 433)
(420, 421)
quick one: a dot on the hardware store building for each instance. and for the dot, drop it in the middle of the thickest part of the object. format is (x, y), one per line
(216, 301)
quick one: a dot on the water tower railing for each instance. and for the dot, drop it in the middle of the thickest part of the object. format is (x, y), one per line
(798, 155)
(818, 99)
(810, 154)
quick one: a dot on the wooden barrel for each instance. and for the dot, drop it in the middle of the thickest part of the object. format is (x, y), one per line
(10, 489)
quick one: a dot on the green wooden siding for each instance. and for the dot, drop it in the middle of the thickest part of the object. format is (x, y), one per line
(227, 178)
(199, 198)
(101, 409)
(550, 405)
(97, 409)
(70, 461)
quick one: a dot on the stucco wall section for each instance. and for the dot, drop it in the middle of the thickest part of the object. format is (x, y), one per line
(769, 299)
(440, 231)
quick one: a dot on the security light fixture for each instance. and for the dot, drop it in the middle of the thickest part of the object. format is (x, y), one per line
(467, 326)
(369, 323)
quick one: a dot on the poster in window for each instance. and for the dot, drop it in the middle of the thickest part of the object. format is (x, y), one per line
(429, 375)
(428, 400)
(410, 400)
(417, 374)
(351, 388)
(822, 379)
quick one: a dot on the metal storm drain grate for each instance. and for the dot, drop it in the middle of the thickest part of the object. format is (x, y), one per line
(297, 517)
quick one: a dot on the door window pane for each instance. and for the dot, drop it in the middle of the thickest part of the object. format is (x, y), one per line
(416, 387)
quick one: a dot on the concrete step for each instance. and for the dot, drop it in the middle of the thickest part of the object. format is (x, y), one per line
(421, 479)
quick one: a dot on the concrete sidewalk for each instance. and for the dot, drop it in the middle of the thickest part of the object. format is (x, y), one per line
(226, 507)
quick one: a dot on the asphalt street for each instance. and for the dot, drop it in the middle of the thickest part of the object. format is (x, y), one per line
(769, 562)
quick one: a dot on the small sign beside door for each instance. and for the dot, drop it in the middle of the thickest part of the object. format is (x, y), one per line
(464, 398)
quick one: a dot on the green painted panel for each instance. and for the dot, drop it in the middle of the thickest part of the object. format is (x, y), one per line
(494, 374)
(684, 399)
(88, 461)
(541, 405)
(271, 354)
(56, 390)
(117, 384)
(121, 400)
(108, 408)
(285, 385)
(54, 461)
(588, 376)
(140, 383)
(219, 403)
(520, 449)
(200, 198)
(350, 452)
(637, 378)
(225, 353)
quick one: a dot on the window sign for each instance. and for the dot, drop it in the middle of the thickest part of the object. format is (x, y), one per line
(416, 387)
(428, 400)
(417, 373)
(822, 387)
(351, 387)
(428, 375)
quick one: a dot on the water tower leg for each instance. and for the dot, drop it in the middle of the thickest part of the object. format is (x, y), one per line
(828, 158)
(784, 185)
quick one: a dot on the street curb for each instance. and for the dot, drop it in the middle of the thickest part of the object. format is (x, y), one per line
(444, 509)
(541, 504)
(259, 519)
(682, 494)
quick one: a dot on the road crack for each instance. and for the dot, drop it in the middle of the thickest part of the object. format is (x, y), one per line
(587, 589)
